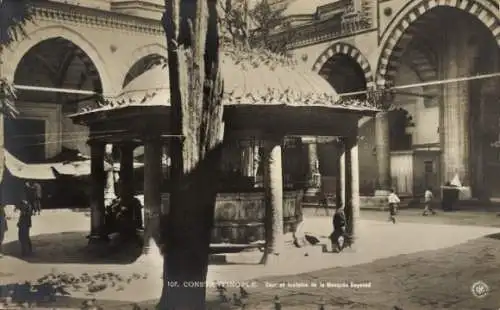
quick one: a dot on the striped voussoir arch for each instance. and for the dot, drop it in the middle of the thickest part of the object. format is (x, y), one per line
(350, 51)
(394, 45)
(91, 70)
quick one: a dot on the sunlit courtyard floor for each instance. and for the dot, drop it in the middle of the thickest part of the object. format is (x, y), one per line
(418, 263)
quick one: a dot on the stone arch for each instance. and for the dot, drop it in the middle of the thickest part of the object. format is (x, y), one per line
(141, 53)
(17, 51)
(341, 48)
(398, 36)
(145, 50)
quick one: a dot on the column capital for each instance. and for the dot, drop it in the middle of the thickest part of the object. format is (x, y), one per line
(381, 114)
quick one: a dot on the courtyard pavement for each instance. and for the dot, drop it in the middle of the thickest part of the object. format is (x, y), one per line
(60, 248)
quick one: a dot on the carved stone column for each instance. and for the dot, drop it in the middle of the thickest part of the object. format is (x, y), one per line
(273, 187)
(313, 182)
(152, 195)
(382, 149)
(249, 158)
(352, 186)
(109, 189)
(457, 62)
(340, 194)
(98, 182)
(127, 177)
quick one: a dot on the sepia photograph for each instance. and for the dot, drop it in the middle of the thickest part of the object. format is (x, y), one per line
(250, 154)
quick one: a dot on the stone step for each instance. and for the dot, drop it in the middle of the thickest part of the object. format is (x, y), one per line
(254, 257)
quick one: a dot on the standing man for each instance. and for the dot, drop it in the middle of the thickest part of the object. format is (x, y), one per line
(428, 197)
(24, 226)
(37, 197)
(3, 226)
(29, 194)
(393, 201)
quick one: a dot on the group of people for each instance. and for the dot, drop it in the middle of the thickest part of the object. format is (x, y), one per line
(339, 238)
(29, 204)
(23, 226)
(450, 195)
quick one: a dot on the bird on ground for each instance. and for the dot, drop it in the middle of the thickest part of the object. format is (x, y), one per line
(311, 239)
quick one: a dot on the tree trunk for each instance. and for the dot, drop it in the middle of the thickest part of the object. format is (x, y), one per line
(2, 146)
(196, 93)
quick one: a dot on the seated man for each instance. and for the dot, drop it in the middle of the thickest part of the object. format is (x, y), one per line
(339, 224)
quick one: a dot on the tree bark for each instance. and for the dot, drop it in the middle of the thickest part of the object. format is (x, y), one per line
(196, 117)
(2, 145)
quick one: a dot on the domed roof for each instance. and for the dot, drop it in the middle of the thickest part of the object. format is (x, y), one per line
(249, 81)
(249, 78)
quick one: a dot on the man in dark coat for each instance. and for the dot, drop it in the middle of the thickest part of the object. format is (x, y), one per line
(339, 225)
(37, 197)
(24, 226)
(3, 226)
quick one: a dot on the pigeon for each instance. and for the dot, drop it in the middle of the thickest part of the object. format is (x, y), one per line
(311, 239)
(221, 288)
(243, 293)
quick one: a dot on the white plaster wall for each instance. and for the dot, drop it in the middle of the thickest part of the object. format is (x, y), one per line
(426, 119)
(51, 114)
(112, 50)
(395, 6)
(74, 136)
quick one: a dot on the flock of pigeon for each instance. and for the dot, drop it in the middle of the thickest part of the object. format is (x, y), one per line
(48, 287)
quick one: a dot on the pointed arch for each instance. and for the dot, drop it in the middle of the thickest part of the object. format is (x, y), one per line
(345, 49)
(395, 41)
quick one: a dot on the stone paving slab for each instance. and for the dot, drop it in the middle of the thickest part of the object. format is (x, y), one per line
(376, 240)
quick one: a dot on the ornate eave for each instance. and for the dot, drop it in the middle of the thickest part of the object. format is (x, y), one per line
(96, 18)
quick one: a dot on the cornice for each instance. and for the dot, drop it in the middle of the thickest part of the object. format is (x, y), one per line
(97, 18)
(319, 32)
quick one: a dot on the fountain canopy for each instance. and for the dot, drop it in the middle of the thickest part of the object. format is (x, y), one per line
(260, 92)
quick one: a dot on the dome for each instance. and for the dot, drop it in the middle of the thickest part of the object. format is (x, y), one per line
(252, 80)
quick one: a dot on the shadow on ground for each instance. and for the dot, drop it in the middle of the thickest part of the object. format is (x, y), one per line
(493, 236)
(55, 290)
(73, 248)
